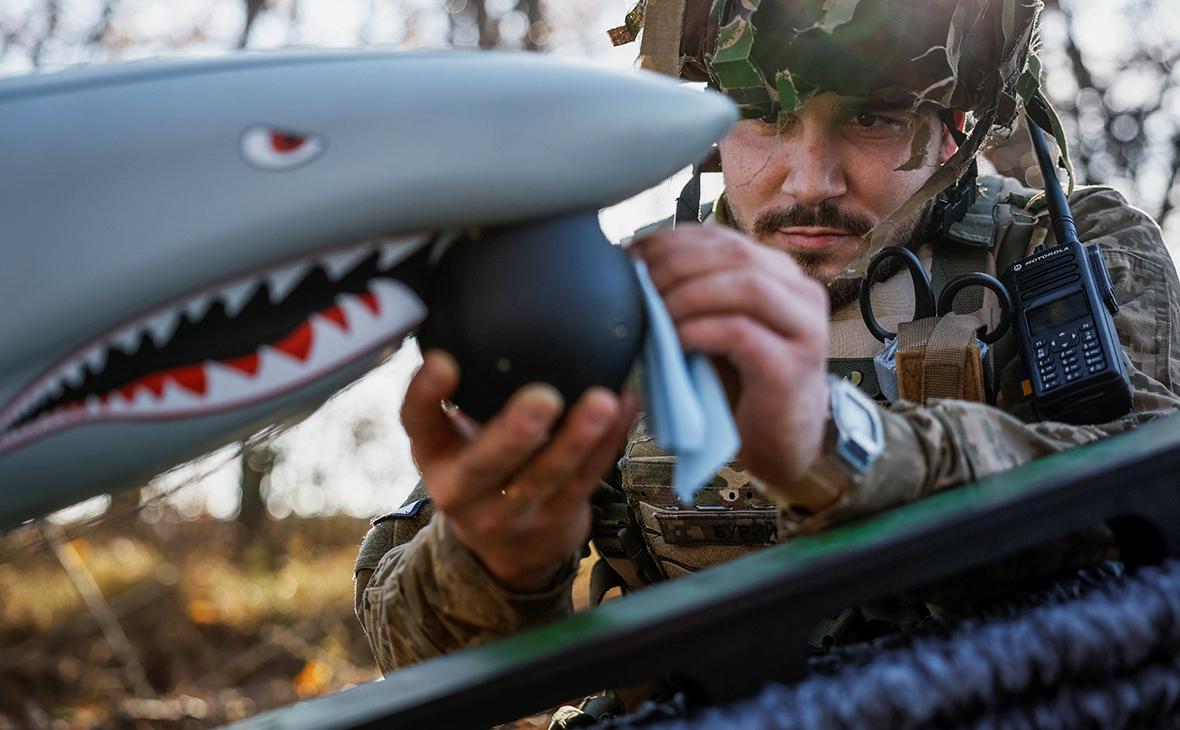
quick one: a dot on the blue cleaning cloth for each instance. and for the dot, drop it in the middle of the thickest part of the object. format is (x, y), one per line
(687, 410)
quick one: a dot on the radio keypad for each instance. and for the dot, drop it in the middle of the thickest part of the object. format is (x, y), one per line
(1063, 341)
(1060, 357)
(1092, 350)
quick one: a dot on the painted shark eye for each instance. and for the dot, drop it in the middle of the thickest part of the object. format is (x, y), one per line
(269, 148)
(285, 143)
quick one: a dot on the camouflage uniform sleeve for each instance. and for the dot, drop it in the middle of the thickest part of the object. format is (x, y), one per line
(428, 595)
(953, 442)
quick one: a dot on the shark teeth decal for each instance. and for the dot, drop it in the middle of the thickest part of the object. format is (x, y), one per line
(354, 306)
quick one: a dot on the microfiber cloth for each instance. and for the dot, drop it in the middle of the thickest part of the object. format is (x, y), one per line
(687, 410)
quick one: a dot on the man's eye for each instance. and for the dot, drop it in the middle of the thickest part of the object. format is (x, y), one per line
(765, 127)
(869, 121)
(868, 124)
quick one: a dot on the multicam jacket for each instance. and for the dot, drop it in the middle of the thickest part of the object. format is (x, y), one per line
(420, 593)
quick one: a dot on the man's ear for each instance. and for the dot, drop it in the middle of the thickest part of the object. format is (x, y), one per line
(947, 146)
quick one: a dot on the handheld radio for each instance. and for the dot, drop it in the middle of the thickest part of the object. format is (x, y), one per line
(1065, 305)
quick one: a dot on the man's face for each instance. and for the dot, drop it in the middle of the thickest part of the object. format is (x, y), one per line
(814, 184)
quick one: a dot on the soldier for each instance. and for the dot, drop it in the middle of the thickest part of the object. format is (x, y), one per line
(852, 140)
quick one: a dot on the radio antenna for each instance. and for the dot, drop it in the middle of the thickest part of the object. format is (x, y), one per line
(1063, 226)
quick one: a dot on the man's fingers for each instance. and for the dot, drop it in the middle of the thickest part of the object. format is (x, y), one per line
(596, 464)
(510, 438)
(673, 256)
(791, 310)
(432, 436)
(749, 346)
(592, 416)
(680, 254)
(740, 340)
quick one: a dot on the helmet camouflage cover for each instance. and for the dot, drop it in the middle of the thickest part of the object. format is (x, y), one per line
(772, 56)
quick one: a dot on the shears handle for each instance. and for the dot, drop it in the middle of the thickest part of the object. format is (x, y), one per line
(923, 293)
(946, 300)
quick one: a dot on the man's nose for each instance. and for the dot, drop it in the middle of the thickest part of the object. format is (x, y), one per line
(814, 172)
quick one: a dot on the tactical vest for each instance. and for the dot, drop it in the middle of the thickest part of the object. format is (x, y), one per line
(645, 534)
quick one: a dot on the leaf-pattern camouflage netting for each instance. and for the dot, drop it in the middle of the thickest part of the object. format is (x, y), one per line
(772, 56)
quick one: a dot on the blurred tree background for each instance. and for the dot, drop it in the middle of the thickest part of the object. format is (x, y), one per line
(1110, 69)
(224, 587)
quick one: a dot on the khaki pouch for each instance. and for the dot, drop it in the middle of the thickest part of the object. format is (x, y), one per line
(939, 357)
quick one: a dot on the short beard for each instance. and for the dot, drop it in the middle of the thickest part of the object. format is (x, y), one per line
(841, 290)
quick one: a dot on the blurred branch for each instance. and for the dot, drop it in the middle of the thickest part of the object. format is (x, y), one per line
(535, 14)
(256, 461)
(253, 8)
(241, 665)
(52, 18)
(31, 650)
(1168, 205)
(99, 609)
(104, 23)
(1084, 79)
(294, 22)
(6, 38)
(467, 15)
(1081, 71)
(362, 35)
(489, 29)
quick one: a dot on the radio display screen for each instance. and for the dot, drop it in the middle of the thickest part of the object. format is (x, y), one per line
(1057, 312)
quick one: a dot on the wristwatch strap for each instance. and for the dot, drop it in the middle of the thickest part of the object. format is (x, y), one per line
(853, 439)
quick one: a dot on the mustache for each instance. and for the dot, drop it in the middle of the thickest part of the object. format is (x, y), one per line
(825, 215)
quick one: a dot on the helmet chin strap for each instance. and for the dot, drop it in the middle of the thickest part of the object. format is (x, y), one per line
(952, 203)
(688, 204)
(955, 123)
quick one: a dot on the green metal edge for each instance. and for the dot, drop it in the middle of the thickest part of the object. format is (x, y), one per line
(452, 675)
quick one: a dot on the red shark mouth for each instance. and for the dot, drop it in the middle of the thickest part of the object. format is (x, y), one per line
(245, 340)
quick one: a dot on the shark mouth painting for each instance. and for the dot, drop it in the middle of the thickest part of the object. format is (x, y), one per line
(228, 244)
(241, 341)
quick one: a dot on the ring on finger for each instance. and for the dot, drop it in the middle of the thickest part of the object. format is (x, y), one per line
(512, 491)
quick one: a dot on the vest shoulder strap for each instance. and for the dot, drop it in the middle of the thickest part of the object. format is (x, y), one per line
(1023, 218)
(996, 230)
(978, 225)
(968, 245)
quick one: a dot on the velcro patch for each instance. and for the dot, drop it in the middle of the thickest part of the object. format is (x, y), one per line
(408, 510)
(730, 527)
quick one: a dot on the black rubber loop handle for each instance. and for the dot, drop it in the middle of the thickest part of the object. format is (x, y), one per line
(946, 300)
(923, 293)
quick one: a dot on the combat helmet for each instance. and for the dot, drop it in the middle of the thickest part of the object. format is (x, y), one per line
(772, 56)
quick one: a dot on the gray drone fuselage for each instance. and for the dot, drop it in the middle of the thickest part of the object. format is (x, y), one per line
(148, 207)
